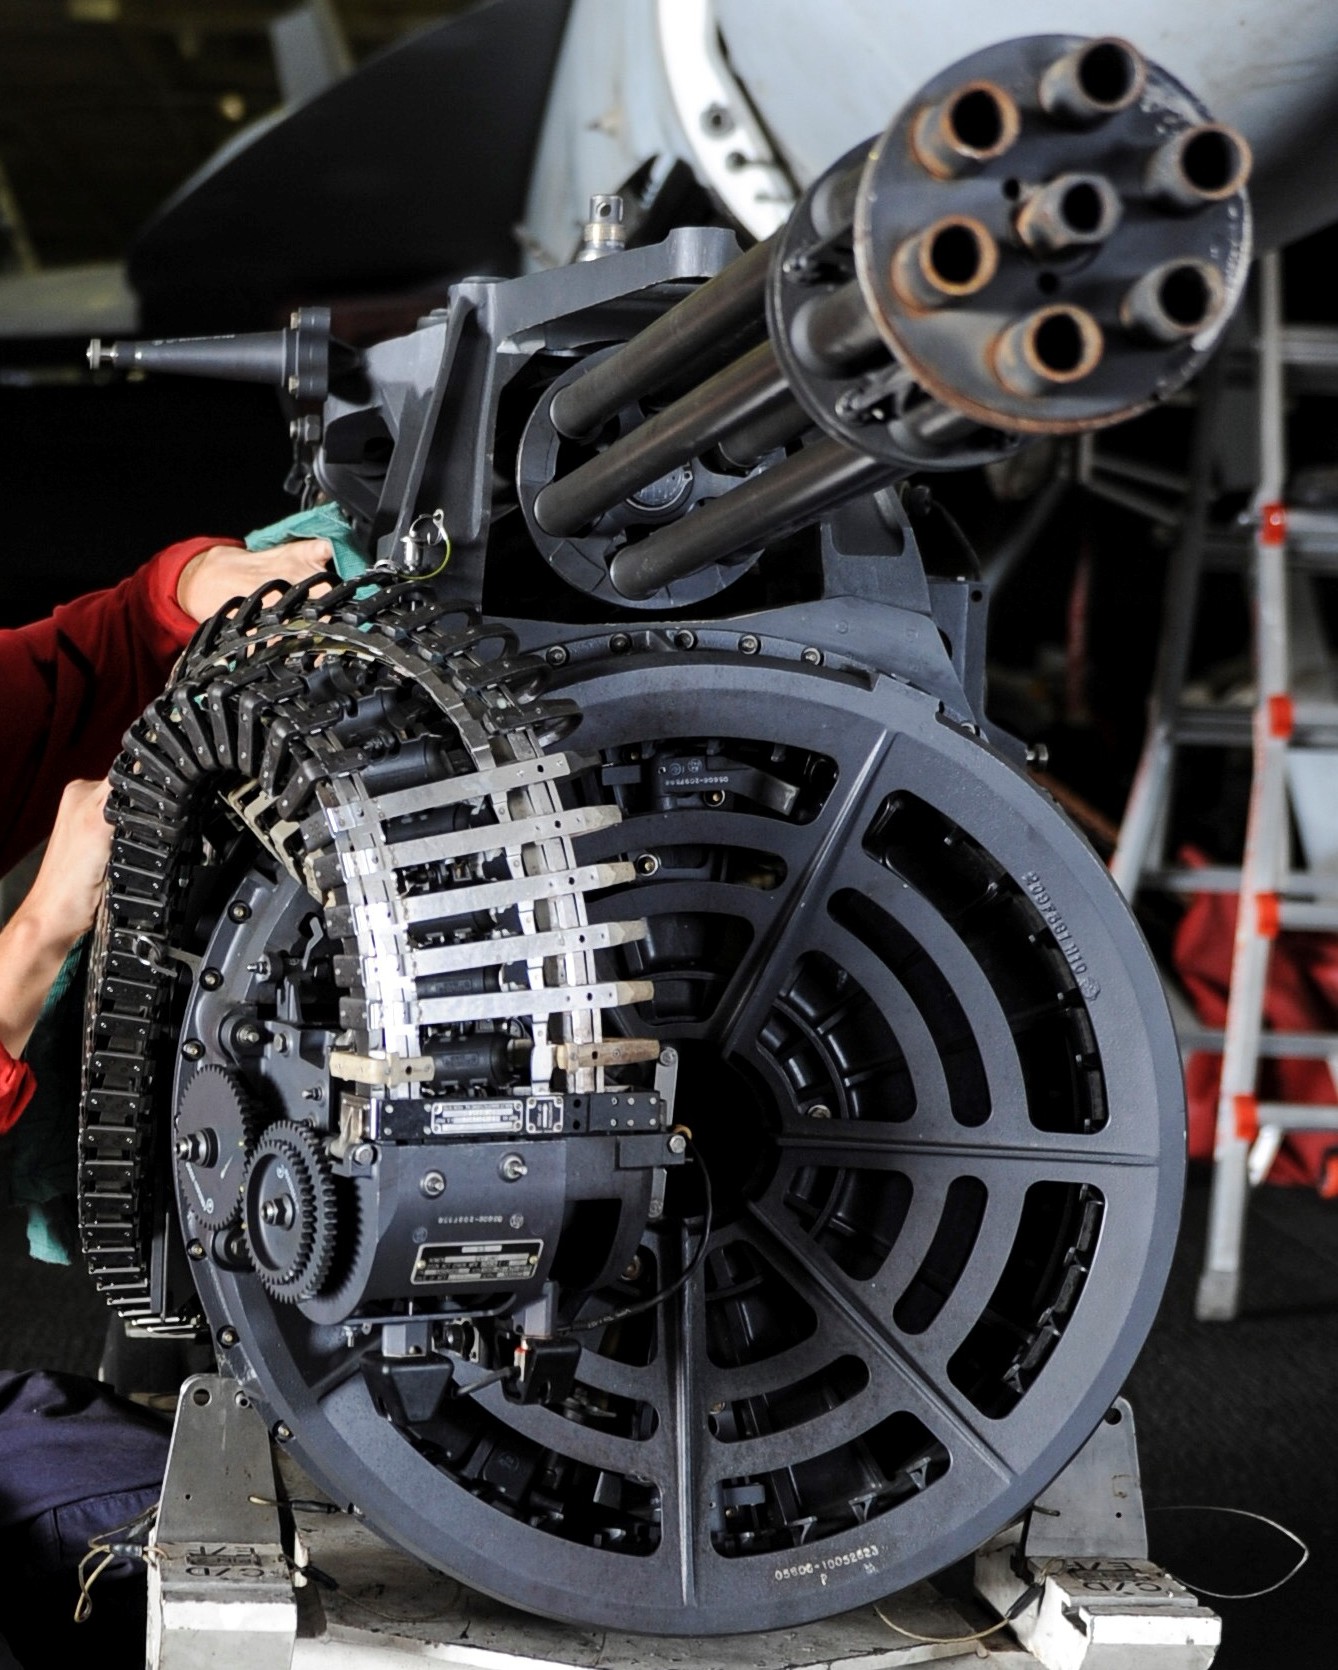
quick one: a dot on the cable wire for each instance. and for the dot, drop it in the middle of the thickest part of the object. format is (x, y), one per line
(688, 1272)
(1031, 1593)
(120, 1542)
(1240, 1513)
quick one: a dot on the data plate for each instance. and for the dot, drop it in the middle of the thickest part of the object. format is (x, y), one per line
(476, 1263)
(535, 1114)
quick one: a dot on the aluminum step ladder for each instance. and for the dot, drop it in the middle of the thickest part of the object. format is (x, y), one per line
(1292, 731)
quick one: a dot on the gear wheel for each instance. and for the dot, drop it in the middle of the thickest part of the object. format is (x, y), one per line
(289, 1212)
(216, 1126)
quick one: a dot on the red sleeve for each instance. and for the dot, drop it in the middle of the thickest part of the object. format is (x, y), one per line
(72, 683)
(16, 1087)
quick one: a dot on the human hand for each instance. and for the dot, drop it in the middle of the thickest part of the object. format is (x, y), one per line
(59, 909)
(223, 572)
(63, 901)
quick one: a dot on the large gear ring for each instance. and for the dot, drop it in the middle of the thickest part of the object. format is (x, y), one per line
(289, 1212)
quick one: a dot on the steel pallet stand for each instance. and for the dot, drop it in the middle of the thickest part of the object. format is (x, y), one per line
(229, 1591)
(1295, 773)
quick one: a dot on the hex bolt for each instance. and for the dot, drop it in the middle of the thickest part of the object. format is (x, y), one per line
(228, 1337)
(819, 1110)
(248, 1034)
(646, 864)
(557, 656)
(195, 1249)
(363, 1154)
(239, 912)
(812, 656)
(714, 797)
(685, 640)
(749, 644)
(512, 1168)
(211, 979)
(433, 1184)
(620, 643)
(669, 1056)
(282, 1432)
(678, 1143)
(192, 1049)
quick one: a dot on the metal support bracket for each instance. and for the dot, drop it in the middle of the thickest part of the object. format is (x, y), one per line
(1099, 1602)
(220, 1591)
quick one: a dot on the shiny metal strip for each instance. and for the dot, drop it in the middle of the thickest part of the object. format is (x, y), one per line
(547, 1000)
(500, 895)
(489, 953)
(495, 837)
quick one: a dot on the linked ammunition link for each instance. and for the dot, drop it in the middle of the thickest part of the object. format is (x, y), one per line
(257, 719)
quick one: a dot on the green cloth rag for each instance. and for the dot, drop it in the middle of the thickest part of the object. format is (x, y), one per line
(322, 521)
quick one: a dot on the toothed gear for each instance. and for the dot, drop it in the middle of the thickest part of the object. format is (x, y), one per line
(289, 1212)
(216, 1127)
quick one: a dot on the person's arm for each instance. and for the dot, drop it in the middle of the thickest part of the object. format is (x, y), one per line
(73, 682)
(59, 909)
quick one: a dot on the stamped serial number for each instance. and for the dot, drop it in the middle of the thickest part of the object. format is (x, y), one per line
(832, 1562)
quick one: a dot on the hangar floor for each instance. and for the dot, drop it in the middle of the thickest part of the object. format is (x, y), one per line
(1235, 1415)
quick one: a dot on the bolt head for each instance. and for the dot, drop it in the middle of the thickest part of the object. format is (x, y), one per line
(819, 1110)
(678, 1143)
(557, 656)
(239, 912)
(749, 644)
(195, 1249)
(363, 1154)
(669, 1057)
(283, 1432)
(228, 1337)
(192, 1049)
(211, 979)
(513, 1168)
(812, 656)
(433, 1184)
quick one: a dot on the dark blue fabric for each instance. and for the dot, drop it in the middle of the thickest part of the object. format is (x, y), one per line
(75, 1460)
